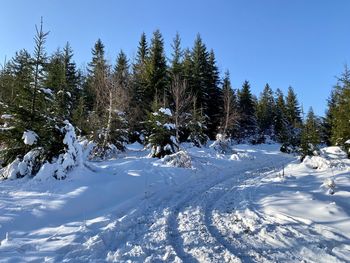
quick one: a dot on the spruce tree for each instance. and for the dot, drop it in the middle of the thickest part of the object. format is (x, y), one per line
(162, 138)
(280, 120)
(247, 112)
(176, 68)
(310, 136)
(293, 114)
(213, 98)
(139, 104)
(31, 114)
(156, 71)
(73, 80)
(266, 112)
(56, 83)
(293, 108)
(199, 72)
(341, 111)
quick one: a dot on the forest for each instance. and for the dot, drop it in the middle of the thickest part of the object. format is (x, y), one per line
(159, 100)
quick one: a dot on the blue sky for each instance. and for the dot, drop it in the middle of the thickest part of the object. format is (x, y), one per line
(302, 43)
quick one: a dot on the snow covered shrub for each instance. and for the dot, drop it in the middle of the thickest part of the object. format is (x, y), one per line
(70, 157)
(35, 162)
(330, 185)
(347, 147)
(29, 165)
(222, 145)
(162, 133)
(179, 159)
(316, 162)
(104, 152)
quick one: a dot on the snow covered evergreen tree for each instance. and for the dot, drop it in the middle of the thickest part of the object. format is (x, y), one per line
(162, 138)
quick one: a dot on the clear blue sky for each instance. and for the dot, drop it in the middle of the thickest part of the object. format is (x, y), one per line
(302, 43)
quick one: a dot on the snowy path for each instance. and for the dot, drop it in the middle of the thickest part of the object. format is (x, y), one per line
(222, 211)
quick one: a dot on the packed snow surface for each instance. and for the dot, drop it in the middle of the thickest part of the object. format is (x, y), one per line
(255, 205)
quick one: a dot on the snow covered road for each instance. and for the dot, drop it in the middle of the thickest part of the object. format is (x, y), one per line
(235, 208)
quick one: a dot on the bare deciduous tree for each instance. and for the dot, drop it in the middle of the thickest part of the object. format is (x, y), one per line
(230, 116)
(182, 100)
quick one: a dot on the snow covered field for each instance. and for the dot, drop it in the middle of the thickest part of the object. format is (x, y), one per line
(257, 205)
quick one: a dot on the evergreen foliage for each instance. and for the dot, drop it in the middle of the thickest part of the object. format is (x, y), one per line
(310, 136)
(112, 104)
(247, 111)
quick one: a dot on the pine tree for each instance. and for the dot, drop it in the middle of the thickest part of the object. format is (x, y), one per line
(341, 112)
(73, 79)
(293, 109)
(162, 138)
(156, 71)
(280, 119)
(266, 112)
(329, 119)
(310, 136)
(247, 112)
(213, 98)
(176, 68)
(138, 103)
(293, 114)
(55, 83)
(199, 72)
(97, 70)
(31, 114)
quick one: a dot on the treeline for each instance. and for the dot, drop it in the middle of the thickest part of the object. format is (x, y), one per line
(150, 99)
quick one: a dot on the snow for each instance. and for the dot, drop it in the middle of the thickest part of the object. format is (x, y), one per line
(47, 91)
(165, 111)
(29, 137)
(259, 206)
(169, 126)
(6, 116)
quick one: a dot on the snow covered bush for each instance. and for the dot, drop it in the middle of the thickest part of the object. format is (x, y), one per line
(328, 157)
(222, 145)
(347, 147)
(329, 184)
(35, 163)
(162, 140)
(72, 156)
(316, 162)
(179, 159)
(29, 165)
(99, 153)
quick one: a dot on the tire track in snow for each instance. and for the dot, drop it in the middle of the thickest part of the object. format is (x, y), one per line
(213, 235)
